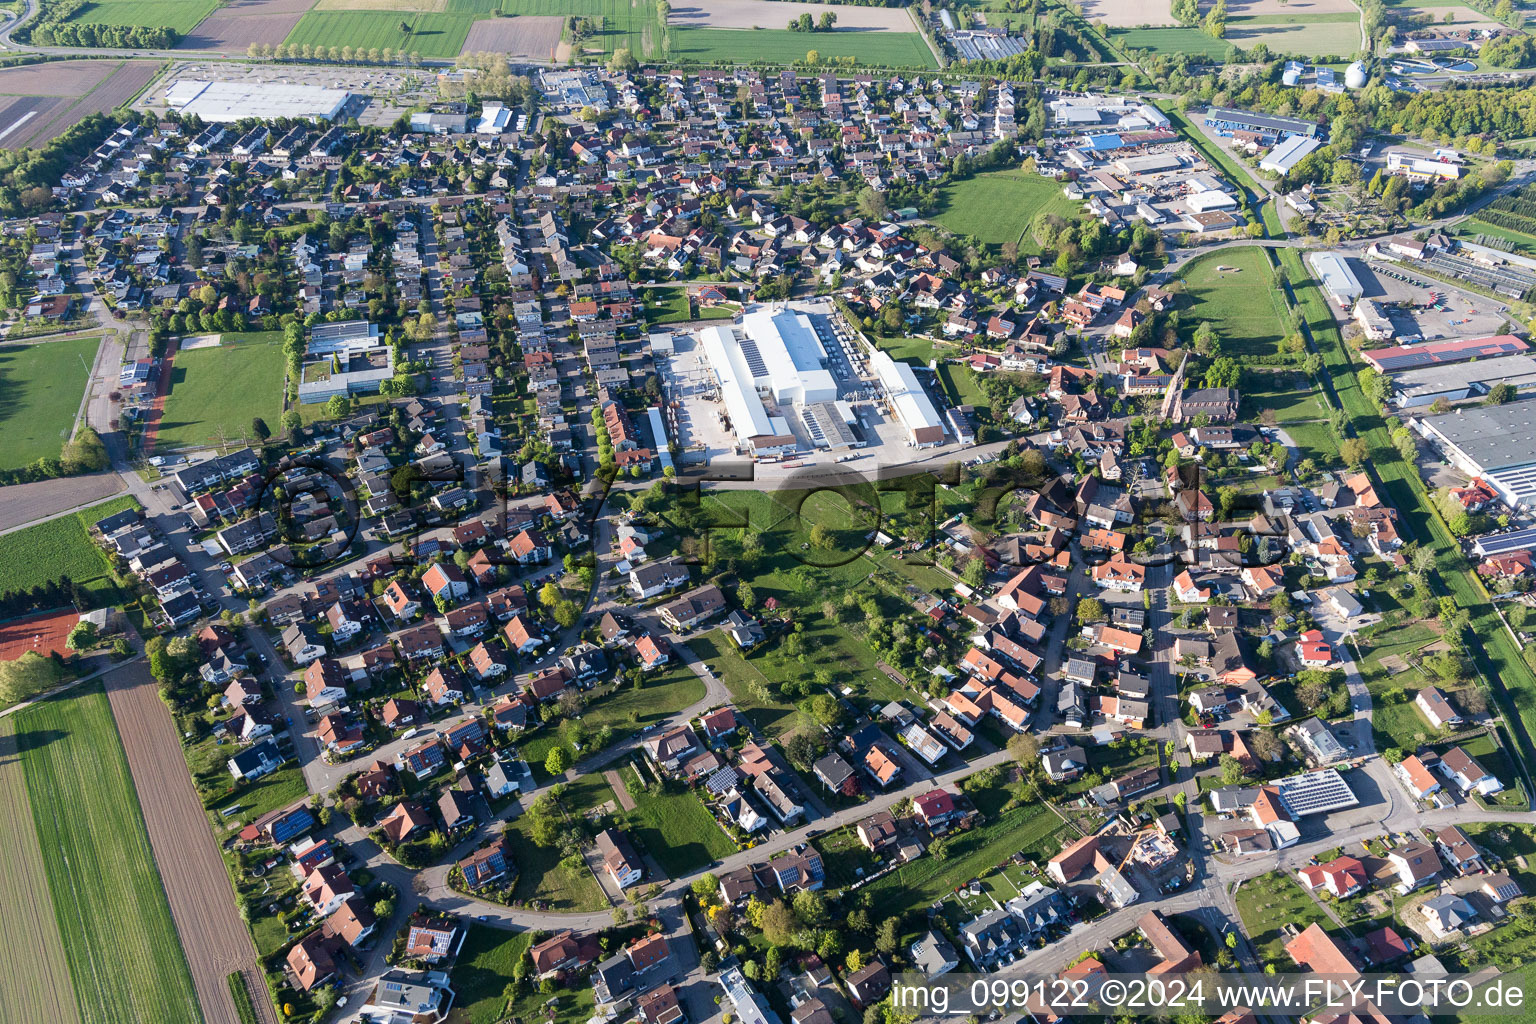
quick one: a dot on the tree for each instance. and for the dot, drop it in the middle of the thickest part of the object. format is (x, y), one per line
(82, 637)
(855, 961)
(826, 710)
(623, 61)
(260, 429)
(779, 923)
(1231, 770)
(1500, 393)
(1354, 452)
(813, 57)
(888, 935)
(339, 407)
(28, 676)
(827, 20)
(1265, 745)
(1090, 609)
(975, 572)
(810, 908)
(822, 538)
(1024, 749)
(558, 761)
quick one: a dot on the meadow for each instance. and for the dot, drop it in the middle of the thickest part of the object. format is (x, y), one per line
(223, 388)
(480, 978)
(40, 390)
(999, 206)
(781, 46)
(634, 26)
(626, 710)
(181, 15)
(431, 35)
(1305, 34)
(1248, 325)
(1265, 904)
(124, 957)
(675, 828)
(58, 547)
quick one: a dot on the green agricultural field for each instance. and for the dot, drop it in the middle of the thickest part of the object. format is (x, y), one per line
(1241, 301)
(40, 390)
(431, 35)
(222, 389)
(1470, 229)
(124, 957)
(624, 24)
(1000, 206)
(676, 829)
(781, 46)
(58, 547)
(181, 15)
(1307, 33)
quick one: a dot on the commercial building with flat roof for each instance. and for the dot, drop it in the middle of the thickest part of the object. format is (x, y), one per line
(909, 401)
(1496, 442)
(223, 102)
(1289, 153)
(1226, 121)
(1339, 281)
(773, 355)
(1436, 353)
(1455, 381)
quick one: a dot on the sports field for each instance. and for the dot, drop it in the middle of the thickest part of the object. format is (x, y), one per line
(999, 206)
(181, 15)
(124, 958)
(431, 35)
(58, 547)
(40, 390)
(781, 46)
(1235, 290)
(222, 388)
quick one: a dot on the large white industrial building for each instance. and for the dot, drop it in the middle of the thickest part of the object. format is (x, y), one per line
(222, 102)
(1496, 442)
(909, 401)
(1338, 280)
(773, 354)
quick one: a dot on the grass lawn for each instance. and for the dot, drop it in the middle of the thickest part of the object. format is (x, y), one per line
(1027, 828)
(1240, 302)
(1470, 229)
(40, 390)
(776, 718)
(1315, 441)
(781, 46)
(1310, 34)
(223, 389)
(483, 970)
(431, 35)
(667, 305)
(1170, 40)
(627, 710)
(917, 351)
(541, 876)
(1287, 394)
(960, 384)
(124, 956)
(58, 547)
(676, 829)
(1266, 903)
(1000, 206)
(181, 15)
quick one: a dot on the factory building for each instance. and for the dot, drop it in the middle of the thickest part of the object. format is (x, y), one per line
(1339, 281)
(773, 355)
(1496, 442)
(1410, 357)
(1418, 168)
(1456, 381)
(1269, 126)
(1289, 153)
(223, 102)
(909, 401)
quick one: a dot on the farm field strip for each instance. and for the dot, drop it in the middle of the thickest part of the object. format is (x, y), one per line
(181, 15)
(34, 976)
(197, 886)
(124, 957)
(431, 35)
(779, 45)
(58, 547)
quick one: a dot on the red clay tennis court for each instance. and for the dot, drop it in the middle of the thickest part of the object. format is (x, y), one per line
(43, 633)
